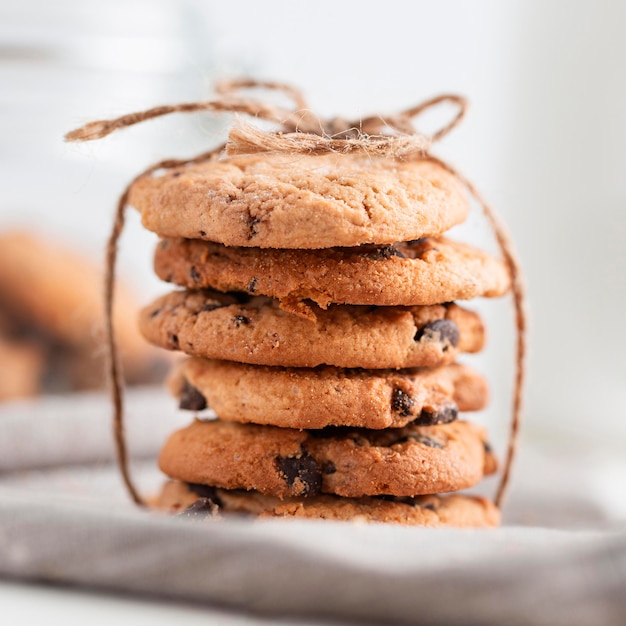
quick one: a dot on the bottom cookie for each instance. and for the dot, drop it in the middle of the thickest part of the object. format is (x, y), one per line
(200, 501)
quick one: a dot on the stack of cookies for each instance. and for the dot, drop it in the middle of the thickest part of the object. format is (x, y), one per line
(318, 318)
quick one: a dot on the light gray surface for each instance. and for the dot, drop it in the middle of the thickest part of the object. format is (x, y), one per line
(378, 572)
(73, 525)
(25, 604)
(76, 428)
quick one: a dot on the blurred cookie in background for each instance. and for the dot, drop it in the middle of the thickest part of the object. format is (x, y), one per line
(21, 369)
(52, 322)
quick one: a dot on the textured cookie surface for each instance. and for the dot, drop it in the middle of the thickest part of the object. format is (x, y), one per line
(256, 330)
(328, 396)
(202, 502)
(278, 201)
(427, 271)
(282, 462)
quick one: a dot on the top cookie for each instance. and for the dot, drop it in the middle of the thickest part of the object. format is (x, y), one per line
(280, 201)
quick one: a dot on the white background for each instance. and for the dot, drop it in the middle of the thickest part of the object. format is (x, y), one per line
(544, 140)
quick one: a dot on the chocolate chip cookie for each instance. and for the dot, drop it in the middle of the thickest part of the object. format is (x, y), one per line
(200, 502)
(287, 201)
(328, 396)
(254, 329)
(283, 462)
(427, 271)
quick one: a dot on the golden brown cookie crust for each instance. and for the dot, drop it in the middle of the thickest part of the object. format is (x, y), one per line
(428, 271)
(213, 325)
(328, 396)
(196, 501)
(301, 201)
(283, 462)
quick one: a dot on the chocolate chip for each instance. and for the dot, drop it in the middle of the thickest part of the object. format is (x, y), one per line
(194, 274)
(442, 331)
(419, 438)
(205, 506)
(252, 227)
(200, 509)
(202, 233)
(428, 441)
(410, 501)
(417, 242)
(241, 319)
(443, 415)
(204, 491)
(382, 252)
(401, 402)
(173, 340)
(328, 467)
(191, 399)
(176, 174)
(155, 312)
(304, 469)
(487, 447)
(211, 306)
(252, 285)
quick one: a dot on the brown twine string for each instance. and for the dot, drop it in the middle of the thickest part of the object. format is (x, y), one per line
(303, 132)
(519, 299)
(114, 366)
(226, 87)
(391, 136)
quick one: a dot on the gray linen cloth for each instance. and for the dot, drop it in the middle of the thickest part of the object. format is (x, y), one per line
(72, 524)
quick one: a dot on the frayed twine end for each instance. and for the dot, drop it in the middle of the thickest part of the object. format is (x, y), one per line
(248, 139)
(91, 131)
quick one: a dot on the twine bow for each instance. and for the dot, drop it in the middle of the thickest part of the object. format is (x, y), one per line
(301, 131)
